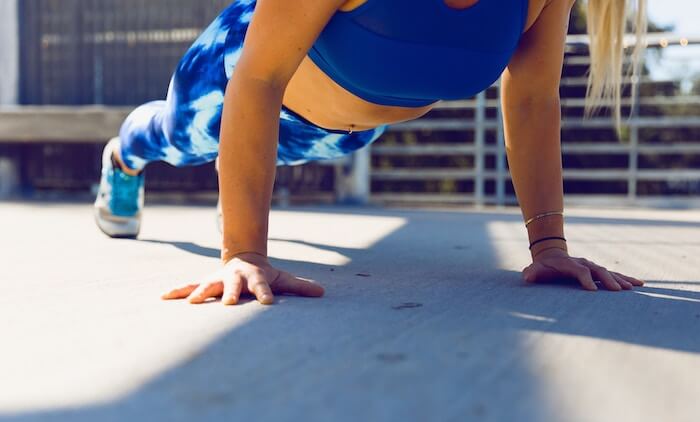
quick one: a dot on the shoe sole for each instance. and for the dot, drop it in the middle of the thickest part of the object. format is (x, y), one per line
(128, 230)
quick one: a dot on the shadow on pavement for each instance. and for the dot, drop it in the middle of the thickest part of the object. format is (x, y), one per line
(434, 329)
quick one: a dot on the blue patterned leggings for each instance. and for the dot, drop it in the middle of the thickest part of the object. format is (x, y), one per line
(184, 129)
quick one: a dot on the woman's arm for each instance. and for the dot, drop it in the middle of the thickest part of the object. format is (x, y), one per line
(280, 35)
(532, 116)
(532, 120)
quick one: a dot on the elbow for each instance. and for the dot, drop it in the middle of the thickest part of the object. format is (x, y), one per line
(272, 87)
(252, 75)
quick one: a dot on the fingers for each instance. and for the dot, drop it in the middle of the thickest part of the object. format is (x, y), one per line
(180, 293)
(602, 274)
(606, 278)
(584, 277)
(583, 270)
(232, 290)
(205, 291)
(633, 281)
(621, 281)
(288, 284)
(260, 289)
(610, 278)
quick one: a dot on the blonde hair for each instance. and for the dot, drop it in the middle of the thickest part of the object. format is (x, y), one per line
(607, 22)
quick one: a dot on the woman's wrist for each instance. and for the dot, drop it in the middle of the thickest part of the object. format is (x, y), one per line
(547, 233)
(548, 249)
(229, 254)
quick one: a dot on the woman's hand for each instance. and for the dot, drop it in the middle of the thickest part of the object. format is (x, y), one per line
(246, 273)
(555, 264)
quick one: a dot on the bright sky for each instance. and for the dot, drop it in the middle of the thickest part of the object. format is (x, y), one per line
(680, 63)
(684, 14)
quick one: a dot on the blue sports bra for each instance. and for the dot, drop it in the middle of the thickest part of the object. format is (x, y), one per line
(413, 53)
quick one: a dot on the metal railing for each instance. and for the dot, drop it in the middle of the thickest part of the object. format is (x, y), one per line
(492, 185)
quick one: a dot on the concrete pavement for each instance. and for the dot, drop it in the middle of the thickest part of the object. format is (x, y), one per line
(425, 318)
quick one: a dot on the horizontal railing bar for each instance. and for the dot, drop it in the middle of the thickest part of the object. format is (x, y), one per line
(440, 124)
(586, 60)
(462, 124)
(655, 100)
(567, 148)
(570, 174)
(422, 173)
(640, 122)
(583, 81)
(624, 148)
(670, 148)
(664, 201)
(427, 149)
(569, 199)
(449, 198)
(580, 102)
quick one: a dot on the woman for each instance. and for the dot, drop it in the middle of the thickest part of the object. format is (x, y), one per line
(278, 82)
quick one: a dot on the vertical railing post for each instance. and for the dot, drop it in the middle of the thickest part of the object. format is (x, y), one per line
(633, 165)
(9, 86)
(479, 143)
(361, 167)
(500, 155)
(9, 52)
(352, 178)
(633, 161)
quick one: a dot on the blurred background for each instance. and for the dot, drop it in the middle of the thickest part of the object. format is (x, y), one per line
(70, 70)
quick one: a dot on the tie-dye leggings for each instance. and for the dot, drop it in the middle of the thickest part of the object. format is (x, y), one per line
(184, 129)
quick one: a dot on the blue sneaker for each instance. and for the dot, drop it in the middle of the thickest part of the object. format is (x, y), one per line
(120, 198)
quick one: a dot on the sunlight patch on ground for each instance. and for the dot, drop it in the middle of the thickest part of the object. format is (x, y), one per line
(585, 378)
(508, 241)
(671, 297)
(126, 336)
(332, 230)
(532, 317)
(292, 251)
(50, 371)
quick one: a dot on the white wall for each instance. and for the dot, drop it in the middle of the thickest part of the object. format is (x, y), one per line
(9, 52)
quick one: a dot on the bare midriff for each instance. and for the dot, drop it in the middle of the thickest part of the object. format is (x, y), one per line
(315, 96)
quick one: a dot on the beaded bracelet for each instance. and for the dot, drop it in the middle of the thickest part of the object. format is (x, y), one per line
(546, 238)
(546, 214)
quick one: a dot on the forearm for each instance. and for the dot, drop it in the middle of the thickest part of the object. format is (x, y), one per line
(247, 155)
(533, 147)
